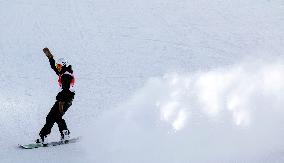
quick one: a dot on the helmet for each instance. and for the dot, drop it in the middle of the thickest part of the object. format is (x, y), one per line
(62, 62)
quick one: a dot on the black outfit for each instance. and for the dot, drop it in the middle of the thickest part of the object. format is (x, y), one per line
(54, 116)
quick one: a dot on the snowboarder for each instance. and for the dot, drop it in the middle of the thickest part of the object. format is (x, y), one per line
(63, 99)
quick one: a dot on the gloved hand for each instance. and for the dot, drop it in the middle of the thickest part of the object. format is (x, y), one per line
(61, 110)
(47, 53)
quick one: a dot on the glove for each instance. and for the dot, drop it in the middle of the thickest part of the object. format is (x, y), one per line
(47, 53)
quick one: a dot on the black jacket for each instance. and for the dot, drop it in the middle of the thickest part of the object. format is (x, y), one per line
(65, 95)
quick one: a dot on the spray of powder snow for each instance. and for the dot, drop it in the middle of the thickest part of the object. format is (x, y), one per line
(223, 115)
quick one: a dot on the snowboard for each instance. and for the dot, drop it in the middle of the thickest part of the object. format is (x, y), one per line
(49, 144)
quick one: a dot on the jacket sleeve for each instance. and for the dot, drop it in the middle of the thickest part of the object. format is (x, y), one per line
(52, 65)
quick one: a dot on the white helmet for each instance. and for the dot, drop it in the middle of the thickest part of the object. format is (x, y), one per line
(62, 62)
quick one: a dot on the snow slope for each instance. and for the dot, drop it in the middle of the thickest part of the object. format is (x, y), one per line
(157, 81)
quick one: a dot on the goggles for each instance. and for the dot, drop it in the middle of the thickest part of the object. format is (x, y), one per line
(58, 66)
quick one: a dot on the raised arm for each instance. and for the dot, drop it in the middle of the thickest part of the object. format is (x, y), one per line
(51, 60)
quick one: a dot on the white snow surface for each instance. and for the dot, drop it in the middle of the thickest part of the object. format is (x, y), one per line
(163, 81)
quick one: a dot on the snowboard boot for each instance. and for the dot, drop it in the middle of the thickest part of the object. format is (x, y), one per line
(42, 140)
(65, 136)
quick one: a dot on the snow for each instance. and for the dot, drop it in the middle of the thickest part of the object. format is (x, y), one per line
(156, 81)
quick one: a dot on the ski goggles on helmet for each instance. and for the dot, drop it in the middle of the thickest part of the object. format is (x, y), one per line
(58, 66)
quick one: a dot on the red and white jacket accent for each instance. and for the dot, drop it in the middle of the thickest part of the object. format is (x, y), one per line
(72, 83)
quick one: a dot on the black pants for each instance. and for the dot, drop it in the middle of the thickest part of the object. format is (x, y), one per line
(54, 116)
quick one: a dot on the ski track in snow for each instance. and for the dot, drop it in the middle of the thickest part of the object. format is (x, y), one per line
(157, 81)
